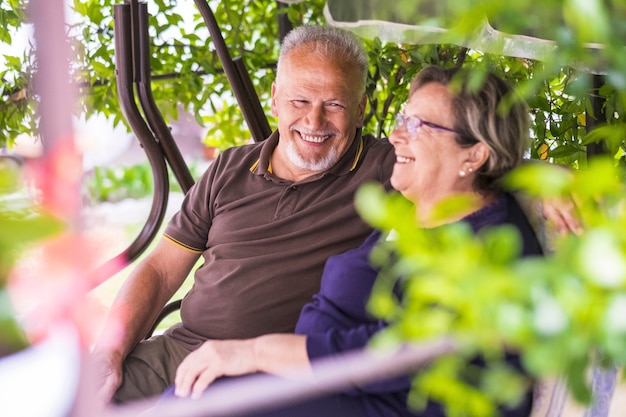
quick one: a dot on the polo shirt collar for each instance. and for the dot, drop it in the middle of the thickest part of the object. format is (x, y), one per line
(348, 161)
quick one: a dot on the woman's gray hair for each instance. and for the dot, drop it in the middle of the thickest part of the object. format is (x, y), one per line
(490, 114)
(329, 42)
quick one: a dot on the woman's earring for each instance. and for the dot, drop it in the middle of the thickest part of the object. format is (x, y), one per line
(470, 170)
(462, 173)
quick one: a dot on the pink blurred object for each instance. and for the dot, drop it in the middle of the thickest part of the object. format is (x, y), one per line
(57, 178)
(52, 283)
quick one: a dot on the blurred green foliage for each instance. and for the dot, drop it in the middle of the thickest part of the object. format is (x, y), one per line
(115, 183)
(186, 71)
(562, 312)
(21, 224)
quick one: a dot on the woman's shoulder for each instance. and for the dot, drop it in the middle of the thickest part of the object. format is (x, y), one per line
(517, 217)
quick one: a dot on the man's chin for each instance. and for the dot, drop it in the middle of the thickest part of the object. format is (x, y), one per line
(314, 164)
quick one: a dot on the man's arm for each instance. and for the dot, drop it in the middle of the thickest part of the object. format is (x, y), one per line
(561, 213)
(276, 353)
(137, 305)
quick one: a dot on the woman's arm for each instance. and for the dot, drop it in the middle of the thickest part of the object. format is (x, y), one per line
(338, 341)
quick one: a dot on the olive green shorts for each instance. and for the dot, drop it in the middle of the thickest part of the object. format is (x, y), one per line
(149, 369)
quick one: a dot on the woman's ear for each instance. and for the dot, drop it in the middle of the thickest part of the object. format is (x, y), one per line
(477, 156)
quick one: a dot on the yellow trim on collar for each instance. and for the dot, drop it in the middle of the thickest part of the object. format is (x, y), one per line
(256, 165)
(359, 151)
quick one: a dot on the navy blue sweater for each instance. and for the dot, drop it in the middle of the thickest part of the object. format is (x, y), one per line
(337, 320)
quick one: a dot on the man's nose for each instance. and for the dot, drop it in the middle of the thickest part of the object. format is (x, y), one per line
(316, 116)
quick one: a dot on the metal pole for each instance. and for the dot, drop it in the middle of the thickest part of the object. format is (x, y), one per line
(124, 67)
(150, 110)
(284, 24)
(258, 128)
(598, 118)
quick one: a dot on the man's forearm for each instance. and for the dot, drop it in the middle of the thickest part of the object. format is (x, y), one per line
(147, 289)
(280, 353)
(132, 313)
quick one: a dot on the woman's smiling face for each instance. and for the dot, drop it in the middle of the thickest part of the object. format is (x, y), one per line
(428, 161)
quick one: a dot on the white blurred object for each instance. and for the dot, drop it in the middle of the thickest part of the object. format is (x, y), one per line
(100, 142)
(41, 381)
(27, 146)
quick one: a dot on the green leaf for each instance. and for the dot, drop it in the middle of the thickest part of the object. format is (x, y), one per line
(451, 207)
(544, 359)
(372, 203)
(502, 244)
(12, 337)
(577, 381)
(540, 179)
(563, 151)
(613, 135)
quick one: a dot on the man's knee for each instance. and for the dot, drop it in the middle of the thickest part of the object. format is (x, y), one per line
(149, 369)
(140, 380)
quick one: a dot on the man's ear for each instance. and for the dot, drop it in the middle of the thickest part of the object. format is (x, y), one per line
(273, 101)
(361, 114)
(477, 156)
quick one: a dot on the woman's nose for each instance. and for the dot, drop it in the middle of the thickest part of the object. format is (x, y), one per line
(398, 135)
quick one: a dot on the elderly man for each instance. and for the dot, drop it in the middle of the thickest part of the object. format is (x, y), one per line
(264, 216)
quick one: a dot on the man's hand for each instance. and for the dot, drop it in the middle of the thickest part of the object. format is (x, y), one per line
(562, 214)
(278, 354)
(109, 368)
(214, 358)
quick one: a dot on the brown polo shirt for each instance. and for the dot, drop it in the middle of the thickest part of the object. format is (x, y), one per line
(265, 239)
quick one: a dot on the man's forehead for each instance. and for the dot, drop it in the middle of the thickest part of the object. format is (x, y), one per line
(311, 88)
(310, 76)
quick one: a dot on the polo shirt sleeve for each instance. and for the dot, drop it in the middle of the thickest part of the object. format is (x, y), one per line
(337, 341)
(189, 227)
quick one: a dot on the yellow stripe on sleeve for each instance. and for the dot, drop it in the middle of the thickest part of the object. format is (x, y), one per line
(182, 245)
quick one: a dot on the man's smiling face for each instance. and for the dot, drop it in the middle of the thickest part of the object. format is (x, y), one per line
(319, 103)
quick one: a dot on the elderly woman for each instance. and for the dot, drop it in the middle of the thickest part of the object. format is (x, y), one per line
(446, 143)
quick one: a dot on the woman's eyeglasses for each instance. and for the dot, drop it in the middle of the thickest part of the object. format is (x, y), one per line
(414, 125)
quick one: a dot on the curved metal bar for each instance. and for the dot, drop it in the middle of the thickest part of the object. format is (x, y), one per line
(596, 117)
(284, 24)
(150, 110)
(234, 77)
(259, 117)
(123, 57)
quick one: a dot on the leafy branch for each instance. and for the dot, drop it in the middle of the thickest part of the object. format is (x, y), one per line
(561, 313)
